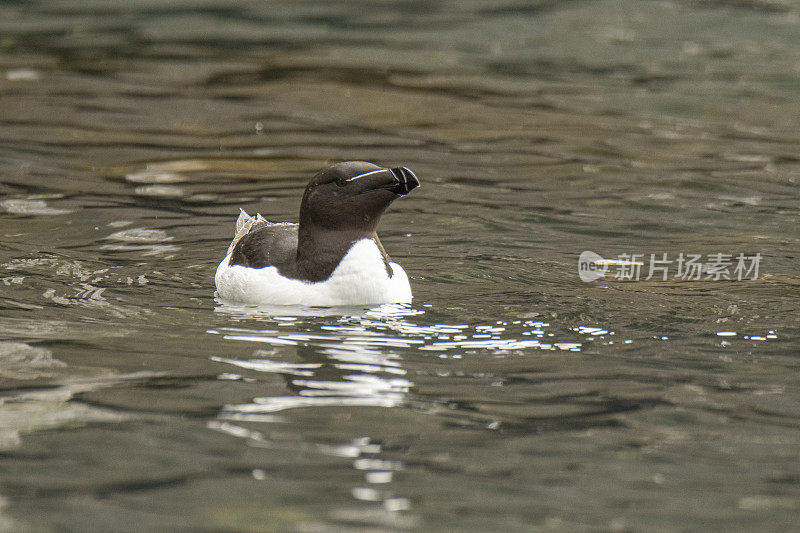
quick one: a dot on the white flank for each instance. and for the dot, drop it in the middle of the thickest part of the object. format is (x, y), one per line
(360, 279)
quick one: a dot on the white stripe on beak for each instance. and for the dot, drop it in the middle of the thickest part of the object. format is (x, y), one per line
(366, 174)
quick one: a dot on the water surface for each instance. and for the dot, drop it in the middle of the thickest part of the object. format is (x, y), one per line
(510, 396)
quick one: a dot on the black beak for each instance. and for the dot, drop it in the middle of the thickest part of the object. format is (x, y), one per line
(406, 180)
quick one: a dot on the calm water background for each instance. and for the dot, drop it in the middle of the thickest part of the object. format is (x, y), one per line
(510, 396)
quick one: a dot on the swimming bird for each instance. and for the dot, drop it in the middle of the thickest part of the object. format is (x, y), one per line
(332, 256)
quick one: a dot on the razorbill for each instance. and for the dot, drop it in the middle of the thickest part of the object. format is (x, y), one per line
(333, 256)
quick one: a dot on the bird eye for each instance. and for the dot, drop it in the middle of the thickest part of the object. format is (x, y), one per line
(341, 182)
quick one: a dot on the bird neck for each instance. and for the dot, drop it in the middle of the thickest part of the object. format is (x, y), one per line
(320, 250)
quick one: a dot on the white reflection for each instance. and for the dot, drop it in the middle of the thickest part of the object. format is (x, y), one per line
(352, 360)
(145, 249)
(356, 392)
(346, 365)
(378, 477)
(265, 365)
(367, 494)
(345, 357)
(23, 206)
(19, 360)
(27, 410)
(23, 74)
(376, 464)
(152, 177)
(159, 190)
(240, 311)
(358, 385)
(140, 235)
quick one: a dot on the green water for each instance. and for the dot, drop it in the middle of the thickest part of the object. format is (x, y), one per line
(510, 396)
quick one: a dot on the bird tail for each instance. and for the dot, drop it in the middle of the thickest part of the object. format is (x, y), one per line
(243, 226)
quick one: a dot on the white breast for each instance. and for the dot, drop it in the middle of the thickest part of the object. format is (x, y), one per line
(359, 279)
